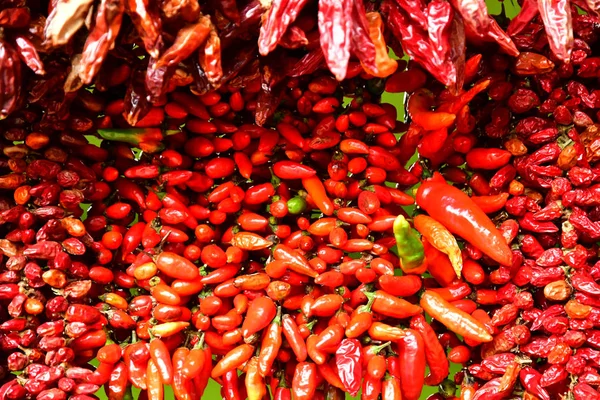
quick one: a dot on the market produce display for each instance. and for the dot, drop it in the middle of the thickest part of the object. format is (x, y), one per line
(196, 191)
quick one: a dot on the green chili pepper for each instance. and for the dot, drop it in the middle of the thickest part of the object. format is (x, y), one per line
(296, 205)
(409, 246)
(148, 139)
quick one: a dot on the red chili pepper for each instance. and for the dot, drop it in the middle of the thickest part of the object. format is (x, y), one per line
(304, 383)
(177, 267)
(328, 372)
(182, 388)
(260, 313)
(131, 191)
(155, 386)
(330, 338)
(162, 360)
(194, 362)
(292, 170)
(434, 352)
(419, 108)
(530, 379)
(412, 362)
(491, 204)
(294, 337)
(438, 264)
(391, 306)
(232, 360)
(294, 260)
(135, 357)
(348, 359)
(460, 214)
(271, 343)
(118, 383)
(457, 291)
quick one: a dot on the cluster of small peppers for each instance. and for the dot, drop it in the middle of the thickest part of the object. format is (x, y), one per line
(202, 244)
(252, 228)
(526, 151)
(220, 246)
(154, 45)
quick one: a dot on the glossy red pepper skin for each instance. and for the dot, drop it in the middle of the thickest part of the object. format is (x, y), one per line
(348, 358)
(136, 356)
(488, 158)
(292, 170)
(304, 383)
(412, 362)
(294, 337)
(434, 352)
(161, 357)
(182, 387)
(457, 212)
(117, 384)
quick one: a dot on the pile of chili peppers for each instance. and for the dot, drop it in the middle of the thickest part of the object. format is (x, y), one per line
(217, 191)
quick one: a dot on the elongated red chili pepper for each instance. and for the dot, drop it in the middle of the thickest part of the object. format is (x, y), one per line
(281, 14)
(233, 359)
(231, 385)
(419, 104)
(162, 360)
(182, 388)
(487, 158)
(491, 204)
(329, 374)
(270, 346)
(394, 307)
(292, 170)
(294, 337)
(194, 361)
(176, 266)
(412, 362)
(557, 21)
(455, 210)
(131, 191)
(434, 352)
(117, 384)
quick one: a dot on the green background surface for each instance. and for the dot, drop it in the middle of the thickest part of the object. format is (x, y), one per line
(510, 8)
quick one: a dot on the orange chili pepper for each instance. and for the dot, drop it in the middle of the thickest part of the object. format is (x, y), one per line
(441, 239)
(454, 319)
(386, 66)
(317, 192)
(250, 241)
(233, 359)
